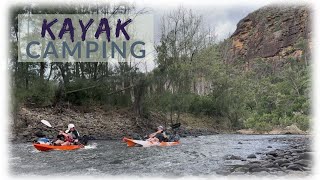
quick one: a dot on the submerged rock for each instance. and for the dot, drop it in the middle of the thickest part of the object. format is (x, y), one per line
(305, 156)
(251, 156)
(259, 169)
(295, 167)
(272, 153)
(232, 157)
(281, 161)
(303, 162)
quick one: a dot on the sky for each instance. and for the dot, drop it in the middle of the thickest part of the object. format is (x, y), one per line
(222, 18)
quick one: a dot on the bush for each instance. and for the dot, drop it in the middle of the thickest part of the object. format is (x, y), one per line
(302, 121)
(260, 123)
(202, 105)
(39, 93)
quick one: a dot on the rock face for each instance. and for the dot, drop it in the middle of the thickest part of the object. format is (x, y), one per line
(272, 32)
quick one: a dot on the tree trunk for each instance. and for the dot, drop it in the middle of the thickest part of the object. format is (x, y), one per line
(42, 69)
(95, 71)
(49, 76)
(77, 70)
(26, 75)
(82, 70)
(139, 95)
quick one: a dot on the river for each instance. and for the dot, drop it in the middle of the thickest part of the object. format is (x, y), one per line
(203, 155)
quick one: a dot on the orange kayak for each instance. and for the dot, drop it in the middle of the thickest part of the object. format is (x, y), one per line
(46, 147)
(132, 143)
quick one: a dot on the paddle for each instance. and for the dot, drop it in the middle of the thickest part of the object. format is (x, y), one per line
(48, 124)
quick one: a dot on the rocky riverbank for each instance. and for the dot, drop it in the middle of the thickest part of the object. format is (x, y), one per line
(292, 129)
(294, 158)
(99, 123)
(105, 123)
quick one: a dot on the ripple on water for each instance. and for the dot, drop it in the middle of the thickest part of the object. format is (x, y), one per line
(195, 156)
(91, 146)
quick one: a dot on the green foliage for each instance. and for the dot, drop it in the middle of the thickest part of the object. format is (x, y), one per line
(303, 121)
(260, 98)
(203, 105)
(261, 123)
(94, 93)
(246, 93)
(39, 93)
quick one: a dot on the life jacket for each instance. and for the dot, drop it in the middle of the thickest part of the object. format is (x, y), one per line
(73, 134)
(67, 138)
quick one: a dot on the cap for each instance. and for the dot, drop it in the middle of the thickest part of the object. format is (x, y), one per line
(70, 126)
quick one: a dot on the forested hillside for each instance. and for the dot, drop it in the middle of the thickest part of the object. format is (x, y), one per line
(258, 78)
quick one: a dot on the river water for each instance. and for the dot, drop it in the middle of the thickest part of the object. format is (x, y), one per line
(195, 156)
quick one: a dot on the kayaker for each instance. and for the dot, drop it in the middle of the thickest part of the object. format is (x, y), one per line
(159, 134)
(73, 133)
(62, 139)
(153, 140)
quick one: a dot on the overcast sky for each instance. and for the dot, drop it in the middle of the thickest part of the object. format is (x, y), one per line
(223, 19)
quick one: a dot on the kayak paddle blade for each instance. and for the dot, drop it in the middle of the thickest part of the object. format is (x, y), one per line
(46, 123)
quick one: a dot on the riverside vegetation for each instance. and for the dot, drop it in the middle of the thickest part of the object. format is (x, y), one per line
(194, 78)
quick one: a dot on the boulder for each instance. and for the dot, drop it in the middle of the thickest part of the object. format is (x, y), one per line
(259, 169)
(251, 156)
(245, 131)
(286, 164)
(305, 156)
(281, 161)
(295, 167)
(292, 129)
(241, 169)
(232, 157)
(271, 165)
(272, 153)
(303, 162)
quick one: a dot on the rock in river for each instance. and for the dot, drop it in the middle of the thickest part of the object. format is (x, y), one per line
(281, 161)
(295, 167)
(305, 156)
(252, 156)
(232, 157)
(303, 162)
(273, 153)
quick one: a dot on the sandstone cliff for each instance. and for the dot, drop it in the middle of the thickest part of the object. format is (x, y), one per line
(273, 33)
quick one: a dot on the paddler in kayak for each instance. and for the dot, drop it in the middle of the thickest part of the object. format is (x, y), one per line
(73, 133)
(69, 137)
(158, 136)
(63, 139)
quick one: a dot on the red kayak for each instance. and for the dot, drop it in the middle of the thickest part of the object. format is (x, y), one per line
(132, 143)
(46, 147)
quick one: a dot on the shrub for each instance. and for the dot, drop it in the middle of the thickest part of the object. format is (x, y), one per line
(302, 121)
(39, 93)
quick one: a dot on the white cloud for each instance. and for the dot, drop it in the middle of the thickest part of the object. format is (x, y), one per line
(224, 29)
